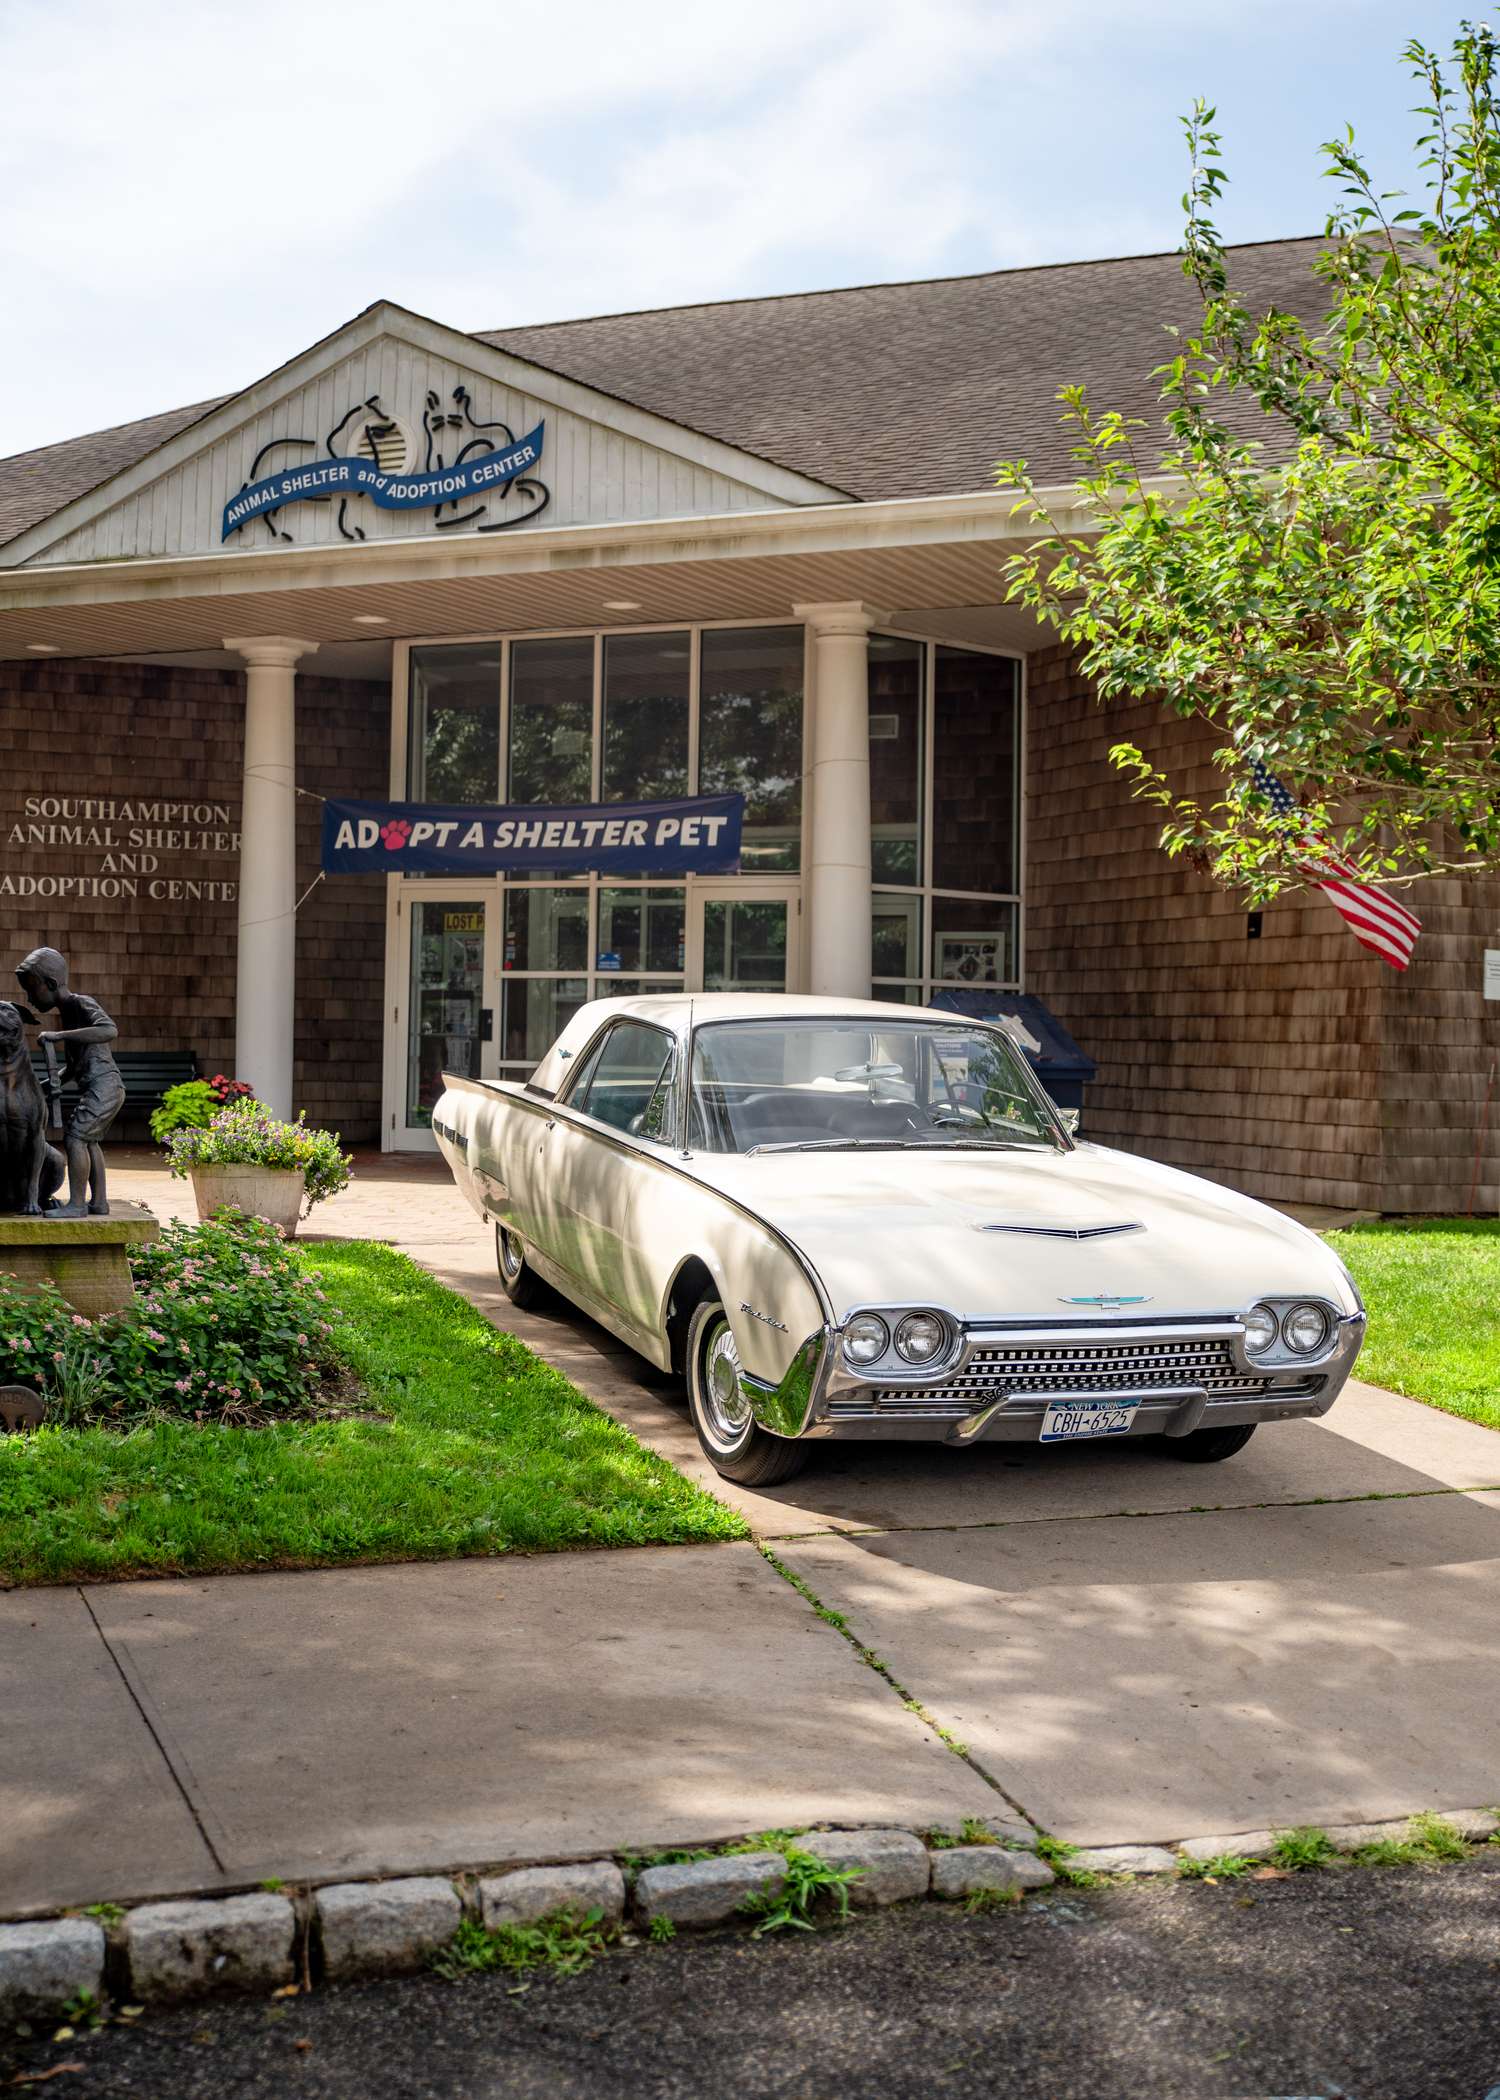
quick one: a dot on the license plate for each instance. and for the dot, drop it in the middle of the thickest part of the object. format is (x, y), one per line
(1075, 1418)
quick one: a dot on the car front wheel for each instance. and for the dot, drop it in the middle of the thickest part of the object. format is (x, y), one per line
(519, 1281)
(733, 1441)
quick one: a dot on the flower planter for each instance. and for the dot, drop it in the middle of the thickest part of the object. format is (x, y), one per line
(273, 1193)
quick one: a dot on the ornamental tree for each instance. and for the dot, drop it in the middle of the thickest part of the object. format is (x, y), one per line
(1326, 596)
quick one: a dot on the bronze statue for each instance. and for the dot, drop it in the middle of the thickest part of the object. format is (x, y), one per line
(31, 1171)
(85, 1034)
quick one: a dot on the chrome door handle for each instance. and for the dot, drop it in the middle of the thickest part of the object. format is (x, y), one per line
(552, 1125)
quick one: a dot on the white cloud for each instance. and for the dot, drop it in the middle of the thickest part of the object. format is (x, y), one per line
(192, 194)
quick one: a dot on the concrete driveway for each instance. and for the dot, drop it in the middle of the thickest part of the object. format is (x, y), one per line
(1131, 1647)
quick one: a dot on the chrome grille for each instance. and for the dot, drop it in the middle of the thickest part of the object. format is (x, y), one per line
(1205, 1364)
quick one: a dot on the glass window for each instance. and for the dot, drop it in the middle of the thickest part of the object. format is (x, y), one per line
(642, 929)
(453, 742)
(629, 1083)
(973, 942)
(975, 706)
(443, 1009)
(841, 1083)
(896, 759)
(547, 929)
(895, 936)
(645, 717)
(552, 721)
(636, 987)
(744, 945)
(537, 1010)
(750, 737)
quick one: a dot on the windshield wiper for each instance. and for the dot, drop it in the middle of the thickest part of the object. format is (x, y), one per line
(834, 1145)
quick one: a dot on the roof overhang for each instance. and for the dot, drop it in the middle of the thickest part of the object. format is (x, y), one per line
(923, 553)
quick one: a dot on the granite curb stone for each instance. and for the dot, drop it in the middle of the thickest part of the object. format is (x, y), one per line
(893, 1865)
(1242, 1844)
(1127, 1859)
(708, 1891)
(383, 1928)
(43, 1966)
(179, 1950)
(534, 1892)
(967, 1870)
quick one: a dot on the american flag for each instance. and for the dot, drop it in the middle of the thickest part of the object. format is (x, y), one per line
(1377, 921)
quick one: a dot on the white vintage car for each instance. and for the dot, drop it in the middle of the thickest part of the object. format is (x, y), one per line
(840, 1219)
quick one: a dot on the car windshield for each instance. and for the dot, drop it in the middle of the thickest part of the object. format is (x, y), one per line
(842, 1085)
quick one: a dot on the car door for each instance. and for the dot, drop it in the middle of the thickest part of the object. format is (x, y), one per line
(623, 1091)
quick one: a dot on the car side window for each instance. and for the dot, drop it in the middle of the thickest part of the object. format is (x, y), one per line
(629, 1083)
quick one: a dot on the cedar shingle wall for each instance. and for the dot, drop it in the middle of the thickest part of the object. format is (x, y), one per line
(1298, 1067)
(1255, 1063)
(165, 969)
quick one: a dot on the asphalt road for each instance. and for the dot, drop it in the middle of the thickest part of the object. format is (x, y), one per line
(1373, 1984)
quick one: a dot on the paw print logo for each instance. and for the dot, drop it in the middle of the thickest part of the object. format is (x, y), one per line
(395, 834)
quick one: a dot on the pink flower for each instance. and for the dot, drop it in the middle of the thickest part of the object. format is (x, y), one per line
(395, 835)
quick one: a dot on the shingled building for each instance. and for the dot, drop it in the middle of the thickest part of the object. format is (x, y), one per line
(751, 547)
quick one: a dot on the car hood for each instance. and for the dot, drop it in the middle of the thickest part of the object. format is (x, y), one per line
(1019, 1234)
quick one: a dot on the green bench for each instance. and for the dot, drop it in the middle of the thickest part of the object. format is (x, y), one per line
(147, 1075)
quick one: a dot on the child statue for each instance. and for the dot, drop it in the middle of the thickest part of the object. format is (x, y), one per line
(85, 1034)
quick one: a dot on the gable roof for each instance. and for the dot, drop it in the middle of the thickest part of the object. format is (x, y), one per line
(917, 389)
(34, 485)
(882, 391)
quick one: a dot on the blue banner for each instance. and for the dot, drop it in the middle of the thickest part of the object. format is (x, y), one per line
(699, 835)
(488, 475)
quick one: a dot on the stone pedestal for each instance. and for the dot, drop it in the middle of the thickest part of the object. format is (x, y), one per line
(85, 1257)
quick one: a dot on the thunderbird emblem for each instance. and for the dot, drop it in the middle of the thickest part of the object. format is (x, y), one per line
(1107, 1301)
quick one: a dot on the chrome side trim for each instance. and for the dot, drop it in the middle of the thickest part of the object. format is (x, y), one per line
(786, 1409)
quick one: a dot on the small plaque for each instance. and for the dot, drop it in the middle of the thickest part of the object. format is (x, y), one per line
(1492, 973)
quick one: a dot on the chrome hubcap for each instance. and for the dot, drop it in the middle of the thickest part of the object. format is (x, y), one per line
(510, 1256)
(725, 1407)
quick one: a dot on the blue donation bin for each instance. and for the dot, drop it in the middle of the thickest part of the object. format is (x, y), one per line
(1056, 1059)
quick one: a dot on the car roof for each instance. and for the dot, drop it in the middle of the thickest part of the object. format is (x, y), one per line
(675, 1010)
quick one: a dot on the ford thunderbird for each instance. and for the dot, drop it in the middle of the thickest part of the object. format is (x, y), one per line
(836, 1218)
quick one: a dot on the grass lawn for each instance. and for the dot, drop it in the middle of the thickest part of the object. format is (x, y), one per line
(1433, 1294)
(487, 1450)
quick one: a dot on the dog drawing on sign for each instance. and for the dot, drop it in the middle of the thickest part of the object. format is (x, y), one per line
(31, 1170)
(21, 1408)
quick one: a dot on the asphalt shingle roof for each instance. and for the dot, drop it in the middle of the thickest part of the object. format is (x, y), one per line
(884, 390)
(915, 389)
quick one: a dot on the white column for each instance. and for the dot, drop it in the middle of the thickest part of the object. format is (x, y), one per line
(838, 873)
(266, 980)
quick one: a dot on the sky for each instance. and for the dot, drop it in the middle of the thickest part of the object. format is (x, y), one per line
(194, 192)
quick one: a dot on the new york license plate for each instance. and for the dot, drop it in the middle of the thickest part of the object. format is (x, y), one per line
(1075, 1418)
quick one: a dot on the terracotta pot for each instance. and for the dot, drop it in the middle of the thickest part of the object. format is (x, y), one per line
(273, 1193)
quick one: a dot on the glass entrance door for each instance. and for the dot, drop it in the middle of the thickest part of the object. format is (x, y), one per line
(745, 943)
(448, 1026)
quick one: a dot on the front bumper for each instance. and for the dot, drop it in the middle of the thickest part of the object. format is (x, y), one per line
(1182, 1375)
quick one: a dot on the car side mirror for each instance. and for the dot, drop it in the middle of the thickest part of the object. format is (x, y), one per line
(1070, 1118)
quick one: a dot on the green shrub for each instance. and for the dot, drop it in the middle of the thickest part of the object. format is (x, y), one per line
(246, 1134)
(191, 1106)
(224, 1318)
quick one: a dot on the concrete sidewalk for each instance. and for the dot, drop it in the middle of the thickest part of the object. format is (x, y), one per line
(1133, 1648)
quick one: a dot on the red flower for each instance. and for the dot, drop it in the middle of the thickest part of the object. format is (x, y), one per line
(396, 834)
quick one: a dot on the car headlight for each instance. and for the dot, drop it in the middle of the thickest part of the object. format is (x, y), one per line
(1261, 1329)
(921, 1337)
(1305, 1328)
(866, 1339)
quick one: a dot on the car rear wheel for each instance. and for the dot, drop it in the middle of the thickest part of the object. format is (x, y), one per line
(519, 1281)
(1205, 1447)
(733, 1441)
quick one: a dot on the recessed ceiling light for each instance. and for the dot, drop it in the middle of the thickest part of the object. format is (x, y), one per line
(45, 648)
(371, 620)
(622, 605)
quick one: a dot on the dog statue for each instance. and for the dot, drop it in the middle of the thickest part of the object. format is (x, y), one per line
(21, 1408)
(31, 1170)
